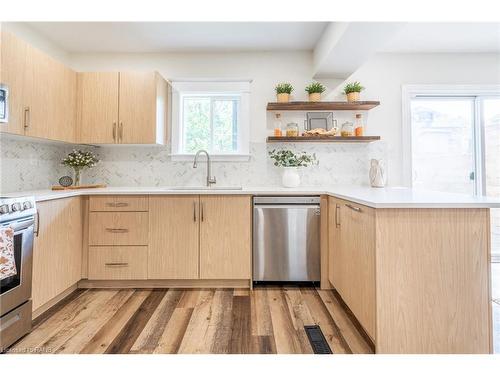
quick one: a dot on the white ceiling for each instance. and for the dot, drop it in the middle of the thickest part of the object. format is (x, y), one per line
(445, 37)
(181, 36)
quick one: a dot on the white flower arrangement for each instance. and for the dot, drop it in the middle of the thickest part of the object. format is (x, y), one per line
(80, 159)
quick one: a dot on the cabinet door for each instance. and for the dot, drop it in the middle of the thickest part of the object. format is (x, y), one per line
(97, 107)
(357, 262)
(57, 252)
(16, 72)
(173, 237)
(137, 108)
(225, 237)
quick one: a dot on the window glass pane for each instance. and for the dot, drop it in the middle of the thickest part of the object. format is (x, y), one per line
(443, 144)
(225, 125)
(491, 122)
(196, 124)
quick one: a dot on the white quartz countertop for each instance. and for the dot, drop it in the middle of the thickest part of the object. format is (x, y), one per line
(390, 197)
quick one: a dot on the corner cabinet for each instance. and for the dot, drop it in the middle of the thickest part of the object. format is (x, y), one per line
(42, 92)
(122, 107)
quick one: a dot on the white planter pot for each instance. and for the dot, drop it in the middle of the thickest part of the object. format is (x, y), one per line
(291, 177)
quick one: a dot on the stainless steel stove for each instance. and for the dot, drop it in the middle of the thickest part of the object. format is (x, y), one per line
(15, 290)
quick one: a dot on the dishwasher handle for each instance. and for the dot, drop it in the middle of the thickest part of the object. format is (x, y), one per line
(287, 206)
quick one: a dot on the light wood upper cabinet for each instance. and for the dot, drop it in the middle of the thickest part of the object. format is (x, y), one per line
(225, 237)
(17, 73)
(173, 237)
(57, 253)
(125, 107)
(42, 92)
(352, 258)
(98, 107)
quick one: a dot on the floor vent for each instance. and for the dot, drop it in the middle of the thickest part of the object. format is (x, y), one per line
(317, 340)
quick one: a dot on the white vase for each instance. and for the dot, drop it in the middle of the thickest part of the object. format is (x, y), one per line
(291, 177)
(377, 173)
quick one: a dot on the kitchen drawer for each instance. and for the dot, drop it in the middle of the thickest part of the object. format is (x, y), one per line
(118, 262)
(118, 228)
(119, 203)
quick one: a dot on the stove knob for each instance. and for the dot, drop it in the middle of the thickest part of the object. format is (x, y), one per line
(4, 209)
(16, 207)
(27, 205)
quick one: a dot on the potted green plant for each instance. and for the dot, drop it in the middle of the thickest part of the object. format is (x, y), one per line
(291, 162)
(352, 91)
(78, 160)
(283, 91)
(315, 89)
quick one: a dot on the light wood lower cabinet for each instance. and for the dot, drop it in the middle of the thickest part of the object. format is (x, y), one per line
(57, 252)
(225, 237)
(416, 279)
(193, 237)
(173, 237)
(118, 262)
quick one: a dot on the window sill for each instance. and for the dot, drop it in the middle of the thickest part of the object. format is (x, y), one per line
(213, 157)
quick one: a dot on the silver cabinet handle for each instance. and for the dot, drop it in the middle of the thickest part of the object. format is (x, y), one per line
(27, 117)
(120, 132)
(37, 229)
(114, 131)
(194, 211)
(337, 215)
(116, 264)
(357, 209)
(202, 213)
(117, 230)
(117, 204)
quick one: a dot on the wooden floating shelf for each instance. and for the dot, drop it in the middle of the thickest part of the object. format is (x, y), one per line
(322, 106)
(363, 139)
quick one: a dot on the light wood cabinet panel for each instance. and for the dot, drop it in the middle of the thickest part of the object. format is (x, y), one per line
(173, 238)
(98, 107)
(16, 71)
(225, 237)
(57, 252)
(118, 263)
(119, 203)
(433, 281)
(118, 228)
(334, 253)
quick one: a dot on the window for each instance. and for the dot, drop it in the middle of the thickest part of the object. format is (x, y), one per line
(211, 116)
(452, 142)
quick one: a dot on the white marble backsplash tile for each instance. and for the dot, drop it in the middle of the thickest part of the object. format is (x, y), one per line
(26, 166)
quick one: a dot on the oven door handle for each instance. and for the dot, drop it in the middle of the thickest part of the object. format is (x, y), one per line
(21, 224)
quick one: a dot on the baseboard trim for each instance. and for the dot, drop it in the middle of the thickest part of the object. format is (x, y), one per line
(88, 284)
(59, 299)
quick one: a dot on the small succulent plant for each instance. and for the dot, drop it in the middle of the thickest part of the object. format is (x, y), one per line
(353, 87)
(284, 88)
(315, 87)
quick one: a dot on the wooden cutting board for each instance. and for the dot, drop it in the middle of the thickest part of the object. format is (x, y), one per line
(59, 187)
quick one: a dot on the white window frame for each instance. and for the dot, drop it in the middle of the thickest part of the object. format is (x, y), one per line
(478, 92)
(230, 89)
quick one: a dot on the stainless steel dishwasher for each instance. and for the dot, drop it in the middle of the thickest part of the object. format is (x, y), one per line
(286, 238)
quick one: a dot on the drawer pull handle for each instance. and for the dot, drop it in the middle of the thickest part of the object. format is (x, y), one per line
(118, 204)
(357, 209)
(116, 264)
(117, 230)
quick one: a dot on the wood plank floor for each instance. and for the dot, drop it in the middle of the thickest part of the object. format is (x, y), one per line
(265, 320)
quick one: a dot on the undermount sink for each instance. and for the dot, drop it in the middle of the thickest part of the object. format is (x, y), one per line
(204, 188)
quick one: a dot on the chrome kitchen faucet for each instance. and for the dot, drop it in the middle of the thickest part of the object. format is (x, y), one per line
(210, 179)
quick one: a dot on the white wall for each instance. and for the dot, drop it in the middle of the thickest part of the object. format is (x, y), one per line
(384, 75)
